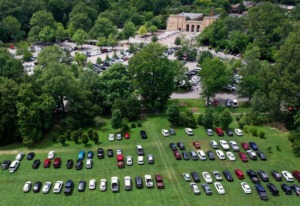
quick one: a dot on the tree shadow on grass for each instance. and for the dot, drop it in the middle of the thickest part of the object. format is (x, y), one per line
(88, 145)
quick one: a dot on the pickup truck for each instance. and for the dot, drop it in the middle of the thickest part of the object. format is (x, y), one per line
(261, 192)
(114, 184)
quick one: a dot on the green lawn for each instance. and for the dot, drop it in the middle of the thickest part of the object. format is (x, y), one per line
(177, 191)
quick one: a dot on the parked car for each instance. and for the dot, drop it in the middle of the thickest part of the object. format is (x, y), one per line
(261, 155)
(263, 175)
(194, 155)
(127, 135)
(224, 145)
(138, 182)
(288, 176)
(274, 191)
(127, 183)
(286, 189)
(238, 132)
(90, 154)
(172, 131)
(195, 188)
(159, 182)
(69, 186)
(20, 156)
(103, 185)
(181, 145)
(111, 137)
(115, 184)
(195, 176)
(92, 184)
(81, 185)
(173, 146)
(246, 187)
(253, 176)
(229, 132)
(143, 134)
(228, 176)
(189, 131)
(296, 174)
(81, 155)
(36, 164)
(129, 160)
(214, 144)
(165, 132)
(207, 177)
(239, 173)
(253, 146)
(276, 175)
(110, 153)
(47, 187)
(235, 103)
(234, 146)
(243, 156)
(57, 187)
(185, 155)
(139, 150)
(150, 159)
(148, 181)
(177, 155)
(206, 188)
(219, 187)
(201, 154)
(219, 132)
(296, 189)
(209, 132)
(245, 146)
(70, 164)
(261, 191)
(51, 155)
(140, 160)
(57, 162)
(230, 156)
(79, 164)
(30, 155)
(220, 154)
(27, 186)
(119, 151)
(217, 175)
(210, 155)
(197, 145)
(5, 164)
(100, 153)
(186, 177)
(89, 163)
(252, 154)
(228, 102)
(47, 163)
(119, 136)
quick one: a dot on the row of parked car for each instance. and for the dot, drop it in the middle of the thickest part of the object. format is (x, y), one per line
(218, 130)
(115, 185)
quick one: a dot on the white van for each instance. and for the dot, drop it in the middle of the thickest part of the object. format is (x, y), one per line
(14, 166)
(201, 155)
(127, 183)
(140, 160)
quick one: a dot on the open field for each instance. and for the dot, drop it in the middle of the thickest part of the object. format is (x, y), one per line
(176, 192)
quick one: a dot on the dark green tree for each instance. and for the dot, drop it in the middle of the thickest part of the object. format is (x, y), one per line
(75, 136)
(208, 118)
(62, 139)
(128, 30)
(12, 28)
(95, 137)
(173, 114)
(90, 133)
(103, 28)
(84, 138)
(225, 119)
(80, 37)
(116, 119)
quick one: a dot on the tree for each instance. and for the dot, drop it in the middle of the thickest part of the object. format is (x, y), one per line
(60, 33)
(153, 75)
(173, 114)
(203, 55)
(130, 107)
(142, 31)
(12, 28)
(75, 136)
(128, 30)
(80, 37)
(153, 29)
(98, 121)
(213, 77)
(90, 133)
(225, 119)
(116, 119)
(208, 118)
(80, 58)
(154, 38)
(84, 138)
(95, 137)
(68, 134)
(102, 41)
(62, 139)
(47, 34)
(260, 102)
(49, 55)
(177, 41)
(103, 28)
(241, 8)
(112, 40)
(10, 67)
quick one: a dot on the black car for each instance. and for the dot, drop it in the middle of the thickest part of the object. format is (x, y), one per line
(263, 175)
(286, 189)
(69, 187)
(229, 132)
(172, 131)
(206, 188)
(37, 187)
(261, 191)
(143, 134)
(36, 164)
(181, 145)
(110, 153)
(273, 189)
(79, 164)
(138, 182)
(276, 175)
(185, 155)
(81, 185)
(195, 176)
(100, 152)
(253, 176)
(253, 146)
(261, 155)
(296, 189)
(5, 164)
(70, 164)
(228, 175)
(210, 155)
(173, 146)
(30, 155)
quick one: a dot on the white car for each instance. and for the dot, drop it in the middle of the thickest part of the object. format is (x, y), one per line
(57, 187)
(103, 185)
(140, 160)
(219, 188)
(129, 160)
(214, 144)
(27, 186)
(201, 154)
(165, 132)
(220, 154)
(115, 184)
(238, 132)
(51, 155)
(246, 187)
(89, 163)
(111, 137)
(224, 145)
(234, 146)
(252, 154)
(186, 177)
(20, 156)
(288, 176)
(195, 188)
(119, 136)
(230, 156)
(217, 175)
(150, 159)
(207, 177)
(92, 184)
(119, 151)
(189, 131)
(148, 181)
(235, 103)
(127, 183)
(46, 187)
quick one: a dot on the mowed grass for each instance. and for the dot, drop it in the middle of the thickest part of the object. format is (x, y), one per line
(176, 192)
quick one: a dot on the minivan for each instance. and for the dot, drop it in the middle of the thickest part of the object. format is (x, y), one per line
(193, 155)
(14, 166)
(220, 132)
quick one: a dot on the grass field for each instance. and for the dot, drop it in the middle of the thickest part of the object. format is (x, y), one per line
(176, 192)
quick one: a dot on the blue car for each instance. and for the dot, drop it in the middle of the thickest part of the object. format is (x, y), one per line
(253, 146)
(81, 155)
(90, 154)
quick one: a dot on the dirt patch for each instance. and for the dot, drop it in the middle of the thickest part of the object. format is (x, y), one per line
(278, 125)
(195, 109)
(183, 104)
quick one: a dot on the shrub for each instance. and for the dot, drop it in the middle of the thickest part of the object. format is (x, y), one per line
(133, 125)
(199, 119)
(237, 118)
(80, 132)
(125, 126)
(90, 133)
(139, 123)
(253, 131)
(68, 134)
(62, 139)
(270, 150)
(54, 138)
(75, 136)
(278, 148)
(262, 134)
(95, 137)
(84, 138)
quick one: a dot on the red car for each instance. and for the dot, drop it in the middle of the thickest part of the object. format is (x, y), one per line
(219, 131)
(296, 174)
(245, 145)
(47, 163)
(159, 182)
(243, 156)
(177, 155)
(57, 162)
(120, 160)
(121, 164)
(239, 173)
(197, 145)
(127, 135)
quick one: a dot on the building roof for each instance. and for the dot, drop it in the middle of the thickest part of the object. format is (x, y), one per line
(191, 15)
